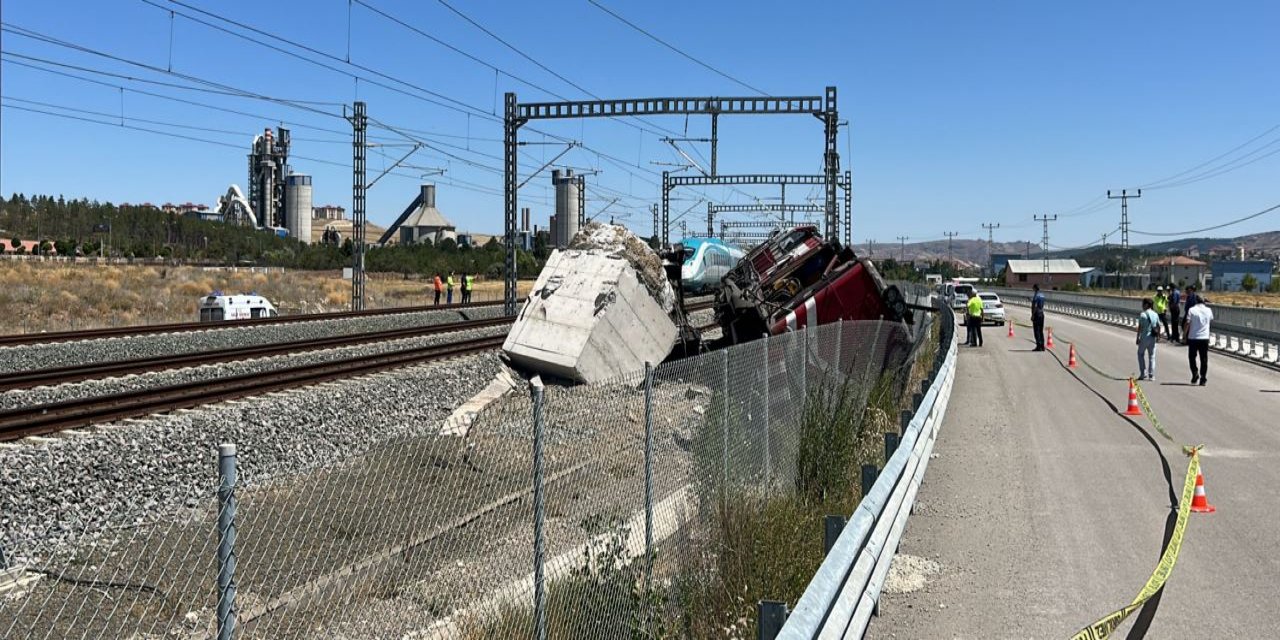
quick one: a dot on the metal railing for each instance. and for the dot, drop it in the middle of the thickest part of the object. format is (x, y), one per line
(842, 596)
(1247, 332)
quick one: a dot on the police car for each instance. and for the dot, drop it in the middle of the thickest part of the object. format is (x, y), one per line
(217, 307)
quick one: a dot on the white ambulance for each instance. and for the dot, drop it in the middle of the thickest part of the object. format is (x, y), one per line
(216, 307)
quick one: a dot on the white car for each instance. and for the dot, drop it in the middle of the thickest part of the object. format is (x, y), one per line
(957, 294)
(992, 308)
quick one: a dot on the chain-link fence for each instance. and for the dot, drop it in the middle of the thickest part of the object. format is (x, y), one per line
(659, 504)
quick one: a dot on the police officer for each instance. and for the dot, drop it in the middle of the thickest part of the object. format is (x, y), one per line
(1037, 317)
(1175, 314)
(1160, 304)
(975, 319)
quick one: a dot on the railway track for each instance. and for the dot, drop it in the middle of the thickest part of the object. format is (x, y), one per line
(76, 373)
(177, 327)
(51, 418)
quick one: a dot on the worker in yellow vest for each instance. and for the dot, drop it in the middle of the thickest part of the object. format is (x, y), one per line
(448, 284)
(974, 308)
(1160, 304)
(468, 283)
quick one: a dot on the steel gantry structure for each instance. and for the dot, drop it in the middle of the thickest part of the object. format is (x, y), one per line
(517, 115)
(781, 209)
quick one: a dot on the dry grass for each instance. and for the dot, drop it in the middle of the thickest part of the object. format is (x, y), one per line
(37, 296)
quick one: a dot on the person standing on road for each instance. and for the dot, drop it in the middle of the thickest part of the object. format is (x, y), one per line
(1148, 329)
(1193, 299)
(1175, 314)
(1196, 329)
(439, 286)
(975, 319)
(1037, 317)
(449, 289)
(1160, 304)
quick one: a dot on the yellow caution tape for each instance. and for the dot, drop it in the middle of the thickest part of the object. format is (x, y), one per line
(1102, 629)
(1151, 414)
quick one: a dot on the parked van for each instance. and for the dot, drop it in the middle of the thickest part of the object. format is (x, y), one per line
(216, 307)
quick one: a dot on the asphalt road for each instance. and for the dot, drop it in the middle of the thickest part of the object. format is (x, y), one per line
(1045, 509)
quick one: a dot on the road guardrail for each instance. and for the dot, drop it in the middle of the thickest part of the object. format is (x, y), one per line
(842, 596)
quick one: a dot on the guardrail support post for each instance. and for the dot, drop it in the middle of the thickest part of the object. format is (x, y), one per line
(539, 543)
(906, 421)
(771, 615)
(890, 445)
(227, 478)
(832, 526)
(869, 473)
(648, 475)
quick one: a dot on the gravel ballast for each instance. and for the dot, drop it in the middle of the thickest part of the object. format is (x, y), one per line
(61, 354)
(17, 398)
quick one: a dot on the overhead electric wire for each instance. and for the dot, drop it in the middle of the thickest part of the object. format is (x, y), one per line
(673, 47)
(1158, 183)
(1212, 228)
(437, 98)
(544, 67)
(35, 35)
(1224, 168)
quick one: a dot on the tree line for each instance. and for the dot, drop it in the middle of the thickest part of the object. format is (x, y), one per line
(88, 227)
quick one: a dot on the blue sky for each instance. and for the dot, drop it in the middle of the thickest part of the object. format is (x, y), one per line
(960, 112)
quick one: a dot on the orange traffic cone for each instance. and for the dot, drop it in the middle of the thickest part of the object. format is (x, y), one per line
(1049, 342)
(1010, 328)
(1071, 361)
(1199, 503)
(1133, 409)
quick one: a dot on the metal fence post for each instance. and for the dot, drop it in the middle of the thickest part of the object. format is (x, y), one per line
(648, 475)
(771, 616)
(539, 544)
(869, 473)
(832, 526)
(724, 425)
(890, 445)
(906, 420)
(226, 541)
(839, 346)
(768, 464)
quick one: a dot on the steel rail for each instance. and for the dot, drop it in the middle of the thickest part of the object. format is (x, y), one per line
(90, 371)
(53, 417)
(15, 339)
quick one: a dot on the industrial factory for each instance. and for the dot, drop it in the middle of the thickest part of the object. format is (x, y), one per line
(278, 198)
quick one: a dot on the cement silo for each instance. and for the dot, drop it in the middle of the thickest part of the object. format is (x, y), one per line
(297, 199)
(567, 195)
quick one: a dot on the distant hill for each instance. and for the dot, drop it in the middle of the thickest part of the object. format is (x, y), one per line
(974, 252)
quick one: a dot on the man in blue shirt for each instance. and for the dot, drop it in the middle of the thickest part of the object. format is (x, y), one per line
(1148, 329)
(1175, 313)
(1037, 317)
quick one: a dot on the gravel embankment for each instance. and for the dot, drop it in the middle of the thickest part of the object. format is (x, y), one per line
(151, 469)
(59, 354)
(89, 388)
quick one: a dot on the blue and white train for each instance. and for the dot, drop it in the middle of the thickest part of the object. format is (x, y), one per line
(706, 261)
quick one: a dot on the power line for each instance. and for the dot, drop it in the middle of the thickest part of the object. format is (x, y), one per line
(1213, 228)
(1159, 184)
(674, 48)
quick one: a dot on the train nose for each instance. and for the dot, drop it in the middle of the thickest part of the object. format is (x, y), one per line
(686, 272)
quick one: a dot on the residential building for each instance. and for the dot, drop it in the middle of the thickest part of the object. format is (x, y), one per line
(1022, 274)
(1178, 270)
(1229, 274)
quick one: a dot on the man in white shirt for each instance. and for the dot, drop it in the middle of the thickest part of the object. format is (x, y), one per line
(1196, 329)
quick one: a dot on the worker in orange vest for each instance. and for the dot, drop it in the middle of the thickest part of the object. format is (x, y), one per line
(439, 285)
